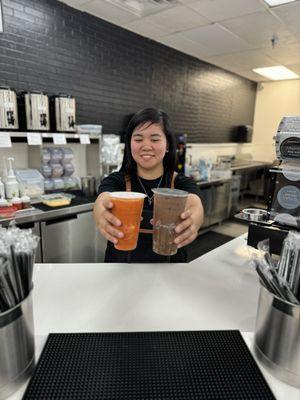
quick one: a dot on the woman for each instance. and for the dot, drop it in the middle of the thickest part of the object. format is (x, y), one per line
(149, 162)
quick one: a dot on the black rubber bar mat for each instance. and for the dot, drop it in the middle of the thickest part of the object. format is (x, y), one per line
(147, 365)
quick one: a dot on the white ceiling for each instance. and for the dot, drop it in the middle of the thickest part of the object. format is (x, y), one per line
(233, 34)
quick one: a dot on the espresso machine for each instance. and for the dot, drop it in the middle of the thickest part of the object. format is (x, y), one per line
(283, 211)
(181, 152)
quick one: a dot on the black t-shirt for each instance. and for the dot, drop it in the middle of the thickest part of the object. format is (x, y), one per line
(116, 182)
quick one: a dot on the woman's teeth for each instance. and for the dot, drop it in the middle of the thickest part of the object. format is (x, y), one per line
(146, 156)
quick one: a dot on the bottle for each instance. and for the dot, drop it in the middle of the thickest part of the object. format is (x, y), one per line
(11, 184)
(26, 202)
(17, 203)
(2, 190)
(4, 174)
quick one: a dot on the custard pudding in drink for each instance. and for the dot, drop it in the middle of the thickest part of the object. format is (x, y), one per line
(127, 207)
(169, 204)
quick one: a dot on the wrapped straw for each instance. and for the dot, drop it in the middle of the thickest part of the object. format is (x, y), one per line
(17, 253)
(272, 280)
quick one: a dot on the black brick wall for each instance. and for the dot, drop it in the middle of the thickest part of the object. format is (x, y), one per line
(49, 46)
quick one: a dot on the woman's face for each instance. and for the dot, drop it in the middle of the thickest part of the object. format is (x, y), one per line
(148, 145)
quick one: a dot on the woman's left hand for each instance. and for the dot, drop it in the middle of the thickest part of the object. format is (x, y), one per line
(192, 219)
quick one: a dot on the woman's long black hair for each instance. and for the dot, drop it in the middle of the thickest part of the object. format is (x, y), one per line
(153, 116)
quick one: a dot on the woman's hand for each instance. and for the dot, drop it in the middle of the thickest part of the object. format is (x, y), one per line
(105, 221)
(192, 219)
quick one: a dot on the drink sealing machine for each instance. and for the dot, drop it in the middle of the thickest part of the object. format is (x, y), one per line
(283, 211)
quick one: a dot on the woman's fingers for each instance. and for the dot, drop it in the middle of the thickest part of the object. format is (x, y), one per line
(187, 241)
(183, 225)
(113, 232)
(108, 216)
(187, 236)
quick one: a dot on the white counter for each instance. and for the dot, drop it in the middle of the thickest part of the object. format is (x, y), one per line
(217, 291)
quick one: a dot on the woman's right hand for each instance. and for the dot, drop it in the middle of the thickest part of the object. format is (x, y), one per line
(105, 221)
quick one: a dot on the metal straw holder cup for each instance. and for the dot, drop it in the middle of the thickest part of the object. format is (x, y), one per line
(277, 337)
(16, 346)
(88, 186)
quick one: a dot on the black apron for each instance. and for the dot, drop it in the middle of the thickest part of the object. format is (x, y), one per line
(143, 252)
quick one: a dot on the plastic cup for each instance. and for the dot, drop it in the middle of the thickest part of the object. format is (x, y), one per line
(128, 208)
(168, 205)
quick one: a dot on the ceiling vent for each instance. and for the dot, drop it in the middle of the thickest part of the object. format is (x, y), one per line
(142, 8)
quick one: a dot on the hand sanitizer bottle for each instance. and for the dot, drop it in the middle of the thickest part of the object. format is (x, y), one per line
(11, 184)
(2, 190)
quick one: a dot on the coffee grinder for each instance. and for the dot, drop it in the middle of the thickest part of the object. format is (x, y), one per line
(283, 211)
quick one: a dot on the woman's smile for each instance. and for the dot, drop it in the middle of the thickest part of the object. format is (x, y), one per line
(147, 156)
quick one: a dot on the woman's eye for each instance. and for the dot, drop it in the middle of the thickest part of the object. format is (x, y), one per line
(155, 140)
(137, 140)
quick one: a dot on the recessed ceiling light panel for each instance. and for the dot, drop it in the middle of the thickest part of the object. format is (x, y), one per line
(274, 3)
(276, 73)
(141, 8)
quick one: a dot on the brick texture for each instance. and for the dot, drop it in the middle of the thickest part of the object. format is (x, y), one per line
(49, 46)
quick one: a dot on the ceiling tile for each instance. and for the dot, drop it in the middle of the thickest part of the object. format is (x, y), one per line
(186, 1)
(290, 16)
(76, 3)
(145, 28)
(218, 10)
(109, 12)
(283, 54)
(178, 18)
(259, 28)
(253, 76)
(216, 39)
(243, 60)
(295, 68)
(289, 13)
(178, 42)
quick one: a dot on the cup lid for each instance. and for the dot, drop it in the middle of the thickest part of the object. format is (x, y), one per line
(127, 195)
(16, 200)
(170, 192)
(25, 198)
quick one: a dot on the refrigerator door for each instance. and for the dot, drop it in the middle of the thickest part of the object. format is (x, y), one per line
(220, 202)
(72, 239)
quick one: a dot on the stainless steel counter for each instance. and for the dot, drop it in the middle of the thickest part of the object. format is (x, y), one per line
(212, 182)
(250, 165)
(36, 215)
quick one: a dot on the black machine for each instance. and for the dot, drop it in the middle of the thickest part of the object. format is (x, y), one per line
(181, 152)
(283, 212)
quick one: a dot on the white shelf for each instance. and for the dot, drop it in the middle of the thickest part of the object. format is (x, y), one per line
(50, 134)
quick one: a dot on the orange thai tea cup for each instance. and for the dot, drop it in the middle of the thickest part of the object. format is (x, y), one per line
(128, 207)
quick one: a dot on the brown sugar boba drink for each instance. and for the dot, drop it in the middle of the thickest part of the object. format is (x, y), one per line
(169, 204)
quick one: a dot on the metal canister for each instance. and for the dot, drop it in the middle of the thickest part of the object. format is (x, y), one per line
(88, 186)
(16, 346)
(277, 337)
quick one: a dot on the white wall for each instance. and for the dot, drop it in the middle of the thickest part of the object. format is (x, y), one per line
(213, 150)
(274, 100)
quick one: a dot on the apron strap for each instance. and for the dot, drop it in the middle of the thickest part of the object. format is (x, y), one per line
(142, 230)
(173, 179)
(128, 183)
